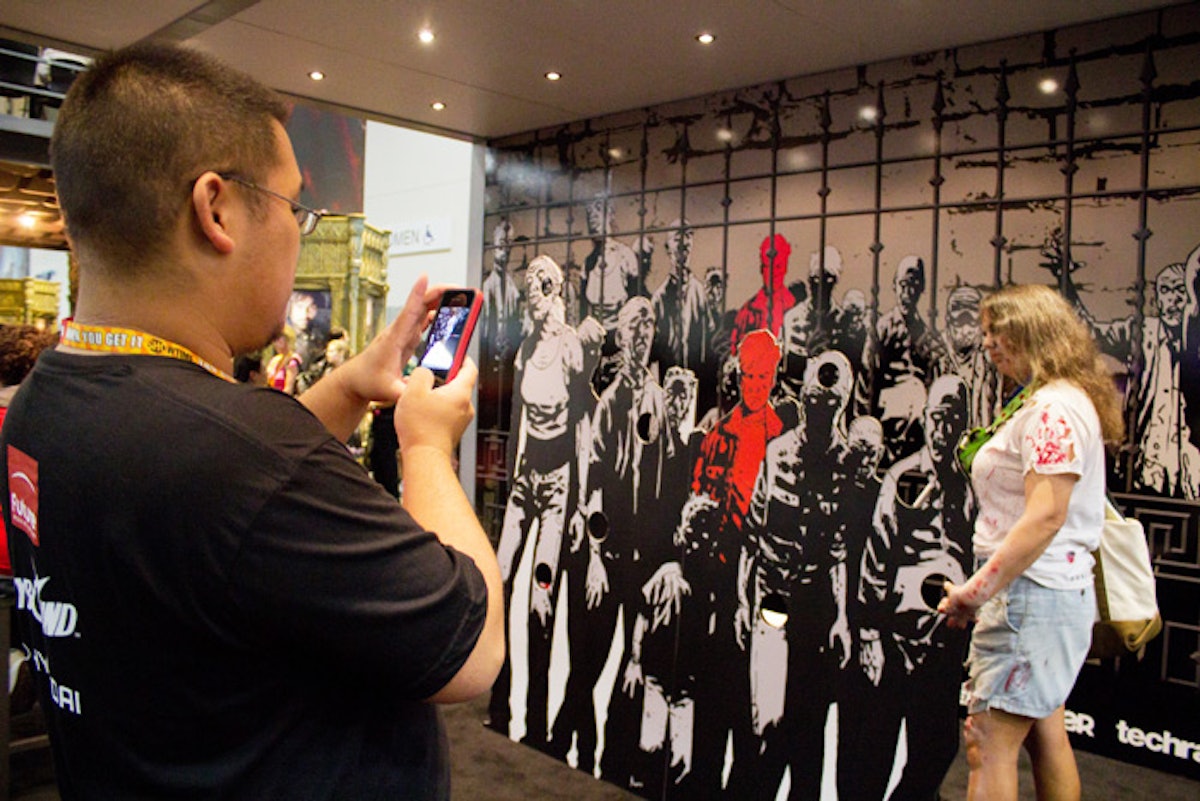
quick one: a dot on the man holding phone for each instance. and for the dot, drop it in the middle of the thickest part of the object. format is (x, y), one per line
(243, 613)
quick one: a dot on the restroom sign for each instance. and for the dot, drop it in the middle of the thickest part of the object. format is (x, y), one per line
(421, 236)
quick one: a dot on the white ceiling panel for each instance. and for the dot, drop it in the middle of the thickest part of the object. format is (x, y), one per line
(488, 60)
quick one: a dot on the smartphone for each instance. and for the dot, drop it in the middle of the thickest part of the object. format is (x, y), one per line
(450, 332)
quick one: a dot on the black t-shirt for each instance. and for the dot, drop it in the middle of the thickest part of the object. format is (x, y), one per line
(217, 598)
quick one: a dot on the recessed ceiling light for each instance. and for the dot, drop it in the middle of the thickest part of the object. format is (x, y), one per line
(1048, 86)
(437, 105)
(553, 76)
(317, 75)
(426, 36)
(615, 152)
(868, 113)
(724, 135)
(27, 221)
(705, 38)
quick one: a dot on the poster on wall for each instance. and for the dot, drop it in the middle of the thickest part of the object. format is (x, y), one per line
(330, 149)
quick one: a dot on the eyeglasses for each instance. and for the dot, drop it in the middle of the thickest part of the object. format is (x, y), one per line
(306, 218)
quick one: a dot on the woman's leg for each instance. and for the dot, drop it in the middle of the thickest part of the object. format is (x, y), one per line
(1054, 772)
(994, 741)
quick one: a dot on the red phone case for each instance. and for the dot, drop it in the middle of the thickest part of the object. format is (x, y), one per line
(464, 337)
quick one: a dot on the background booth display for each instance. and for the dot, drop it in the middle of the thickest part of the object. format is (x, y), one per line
(720, 581)
(341, 281)
(30, 301)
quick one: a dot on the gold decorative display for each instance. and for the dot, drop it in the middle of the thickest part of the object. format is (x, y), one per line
(32, 301)
(347, 259)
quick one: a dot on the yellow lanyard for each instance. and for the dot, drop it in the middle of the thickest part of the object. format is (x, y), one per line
(127, 340)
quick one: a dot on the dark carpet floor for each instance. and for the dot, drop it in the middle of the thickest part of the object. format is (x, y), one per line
(490, 767)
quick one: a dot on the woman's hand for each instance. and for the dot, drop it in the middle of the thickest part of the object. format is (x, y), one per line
(960, 605)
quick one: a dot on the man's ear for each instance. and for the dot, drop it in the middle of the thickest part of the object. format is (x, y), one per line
(211, 199)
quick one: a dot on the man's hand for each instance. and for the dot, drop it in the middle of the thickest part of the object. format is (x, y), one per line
(377, 373)
(435, 417)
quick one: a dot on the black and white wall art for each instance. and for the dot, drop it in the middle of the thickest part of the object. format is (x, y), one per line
(732, 343)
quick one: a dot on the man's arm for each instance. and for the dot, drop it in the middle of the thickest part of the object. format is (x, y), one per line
(429, 423)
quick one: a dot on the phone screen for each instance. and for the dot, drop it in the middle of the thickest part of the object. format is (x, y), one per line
(450, 332)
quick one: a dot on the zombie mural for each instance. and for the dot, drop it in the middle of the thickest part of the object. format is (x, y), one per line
(550, 400)
(920, 536)
(750, 346)
(1165, 461)
(500, 328)
(897, 363)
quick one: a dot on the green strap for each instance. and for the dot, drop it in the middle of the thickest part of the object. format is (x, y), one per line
(974, 439)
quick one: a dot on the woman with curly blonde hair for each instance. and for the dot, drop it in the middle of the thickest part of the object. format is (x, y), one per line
(1039, 481)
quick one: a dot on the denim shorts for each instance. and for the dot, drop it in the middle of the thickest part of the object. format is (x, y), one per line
(1028, 647)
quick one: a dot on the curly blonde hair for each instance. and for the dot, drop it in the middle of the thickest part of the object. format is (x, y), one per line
(1042, 328)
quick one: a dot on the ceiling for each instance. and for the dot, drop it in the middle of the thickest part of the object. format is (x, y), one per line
(489, 58)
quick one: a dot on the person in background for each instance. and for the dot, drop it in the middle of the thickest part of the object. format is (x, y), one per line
(1039, 482)
(720, 331)
(20, 346)
(247, 369)
(809, 325)
(337, 351)
(850, 327)
(284, 366)
(609, 277)
(241, 613)
(383, 458)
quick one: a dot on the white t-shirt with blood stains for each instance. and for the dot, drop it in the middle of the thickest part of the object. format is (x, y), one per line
(1056, 431)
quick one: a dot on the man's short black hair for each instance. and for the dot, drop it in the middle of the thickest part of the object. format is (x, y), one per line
(134, 133)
